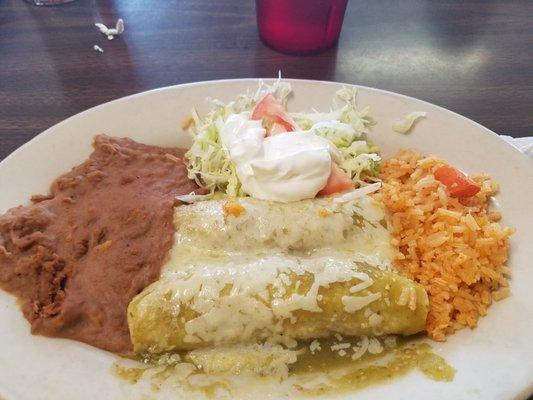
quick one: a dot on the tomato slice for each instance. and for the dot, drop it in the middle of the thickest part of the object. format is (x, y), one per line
(457, 183)
(270, 108)
(276, 128)
(338, 181)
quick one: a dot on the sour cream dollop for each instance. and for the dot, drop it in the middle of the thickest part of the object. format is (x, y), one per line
(285, 167)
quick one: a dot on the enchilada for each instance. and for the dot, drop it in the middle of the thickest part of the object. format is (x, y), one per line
(247, 271)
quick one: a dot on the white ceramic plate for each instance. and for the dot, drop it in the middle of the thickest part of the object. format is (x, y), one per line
(494, 361)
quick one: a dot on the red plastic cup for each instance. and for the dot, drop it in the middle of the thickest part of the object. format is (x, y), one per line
(300, 26)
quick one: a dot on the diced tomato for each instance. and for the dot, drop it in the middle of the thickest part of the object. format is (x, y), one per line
(338, 181)
(457, 183)
(270, 108)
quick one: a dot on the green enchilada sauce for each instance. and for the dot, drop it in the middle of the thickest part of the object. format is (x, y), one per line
(336, 373)
(345, 374)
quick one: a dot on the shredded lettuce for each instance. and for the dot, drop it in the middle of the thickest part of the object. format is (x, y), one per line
(346, 126)
(406, 124)
(208, 161)
(193, 197)
(357, 193)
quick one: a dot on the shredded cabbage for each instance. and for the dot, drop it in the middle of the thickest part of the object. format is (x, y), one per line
(193, 197)
(209, 163)
(347, 132)
(407, 123)
(356, 193)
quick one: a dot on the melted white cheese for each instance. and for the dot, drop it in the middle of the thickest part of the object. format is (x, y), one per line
(237, 315)
(259, 359)
(316, 226)
(234, 270)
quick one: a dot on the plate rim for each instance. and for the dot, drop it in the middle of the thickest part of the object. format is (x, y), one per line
(49, 130)
(184, 86)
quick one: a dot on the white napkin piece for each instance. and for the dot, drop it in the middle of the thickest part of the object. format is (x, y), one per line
(525, 144)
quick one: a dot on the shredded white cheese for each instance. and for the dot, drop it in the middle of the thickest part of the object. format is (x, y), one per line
(314, 346)
(98, 48)
(366, 282)
(340, 346)
(285, 279)
(404, 297)
(374, 346)
(361, 348)
(412, 299)
(375, 320)
(355, 303)
(390, 341)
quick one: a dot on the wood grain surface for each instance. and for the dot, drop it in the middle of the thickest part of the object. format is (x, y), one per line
(473, 57)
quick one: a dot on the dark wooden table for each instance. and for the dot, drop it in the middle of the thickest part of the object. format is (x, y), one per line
(473, 57)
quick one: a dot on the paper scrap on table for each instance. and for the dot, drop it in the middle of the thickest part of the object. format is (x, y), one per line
(524, 144)
(111, 32)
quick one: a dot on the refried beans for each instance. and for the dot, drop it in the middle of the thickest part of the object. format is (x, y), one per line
(75, 258)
